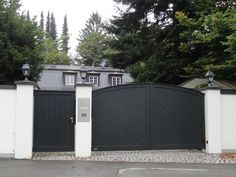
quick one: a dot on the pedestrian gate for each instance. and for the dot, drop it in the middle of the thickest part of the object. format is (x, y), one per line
(54, 113)
(132, 117)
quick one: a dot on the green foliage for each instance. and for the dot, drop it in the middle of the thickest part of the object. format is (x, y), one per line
(93, 25)
(51, 55)
(94, 43)
(201, 85)
(20, 41)
(94, 48)
(172, 41)
(55, 51)
(215, 33)
(231, 47)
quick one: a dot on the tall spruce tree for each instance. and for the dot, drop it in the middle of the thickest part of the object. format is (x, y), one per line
(65, 36)
(48, 24)
(93, 25)
(156, 44)
(93, 45)
(53, 30)
(28, 15)
(42, 21)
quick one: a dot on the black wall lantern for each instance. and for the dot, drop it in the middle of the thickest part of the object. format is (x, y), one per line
(83, 73)
(26, 70)
(210, 77)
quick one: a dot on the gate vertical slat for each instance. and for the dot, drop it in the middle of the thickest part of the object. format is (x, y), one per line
(149, 121)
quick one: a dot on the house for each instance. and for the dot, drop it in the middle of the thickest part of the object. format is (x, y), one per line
(202, 82)
(64, 77)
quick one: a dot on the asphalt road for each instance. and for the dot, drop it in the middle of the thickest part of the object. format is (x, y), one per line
(28, 168)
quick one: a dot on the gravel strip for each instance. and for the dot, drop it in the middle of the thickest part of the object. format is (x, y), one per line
(179, 156)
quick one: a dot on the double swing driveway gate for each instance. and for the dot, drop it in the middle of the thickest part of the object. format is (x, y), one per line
(133, 117)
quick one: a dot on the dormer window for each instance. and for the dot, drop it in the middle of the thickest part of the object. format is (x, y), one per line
(116, 80)
(93, 80)
(69, 79)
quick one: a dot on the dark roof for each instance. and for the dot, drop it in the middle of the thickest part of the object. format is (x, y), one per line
(196, 82)
(52, 77)
(77, 68)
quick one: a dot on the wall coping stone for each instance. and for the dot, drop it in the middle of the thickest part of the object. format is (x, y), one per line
(210, 88)
(84, 85)
(12, 87)
(228, 91)
(25, 82)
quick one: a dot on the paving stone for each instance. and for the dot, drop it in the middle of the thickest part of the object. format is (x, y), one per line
(189, 156)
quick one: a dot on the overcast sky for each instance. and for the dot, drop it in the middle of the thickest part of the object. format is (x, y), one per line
(77, 11)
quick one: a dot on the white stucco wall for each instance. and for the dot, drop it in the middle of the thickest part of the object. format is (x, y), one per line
(213, 121)
(24, 121)
(7, 121)
(83, 130)
(228, 107)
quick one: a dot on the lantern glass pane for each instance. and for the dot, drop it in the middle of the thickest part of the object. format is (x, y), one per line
(83, 74)
(210, 79)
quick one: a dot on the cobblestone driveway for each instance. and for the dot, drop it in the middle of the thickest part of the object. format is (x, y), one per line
(143, 156)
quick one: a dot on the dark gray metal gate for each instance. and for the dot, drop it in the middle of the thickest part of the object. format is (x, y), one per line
(132, 117)
(53, 127)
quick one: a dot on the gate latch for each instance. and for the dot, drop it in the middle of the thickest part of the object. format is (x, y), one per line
(72, 120)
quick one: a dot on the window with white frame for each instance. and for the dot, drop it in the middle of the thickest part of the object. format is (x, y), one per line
(115, 80)
(93, 80)
(69, 79)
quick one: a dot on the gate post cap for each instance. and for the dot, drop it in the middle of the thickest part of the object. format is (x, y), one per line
(25, 82)
(83, 85)
(210, 88)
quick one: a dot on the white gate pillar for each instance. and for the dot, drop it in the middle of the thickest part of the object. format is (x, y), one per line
(83, 125)
(213, 123)
(24, 119)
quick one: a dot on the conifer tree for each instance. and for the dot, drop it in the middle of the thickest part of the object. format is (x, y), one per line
(93, 25)
(93, 47)
(48, 24)
(28, 16)
(53, 30)
(42, 21)
(170, 41)
(65, 36)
